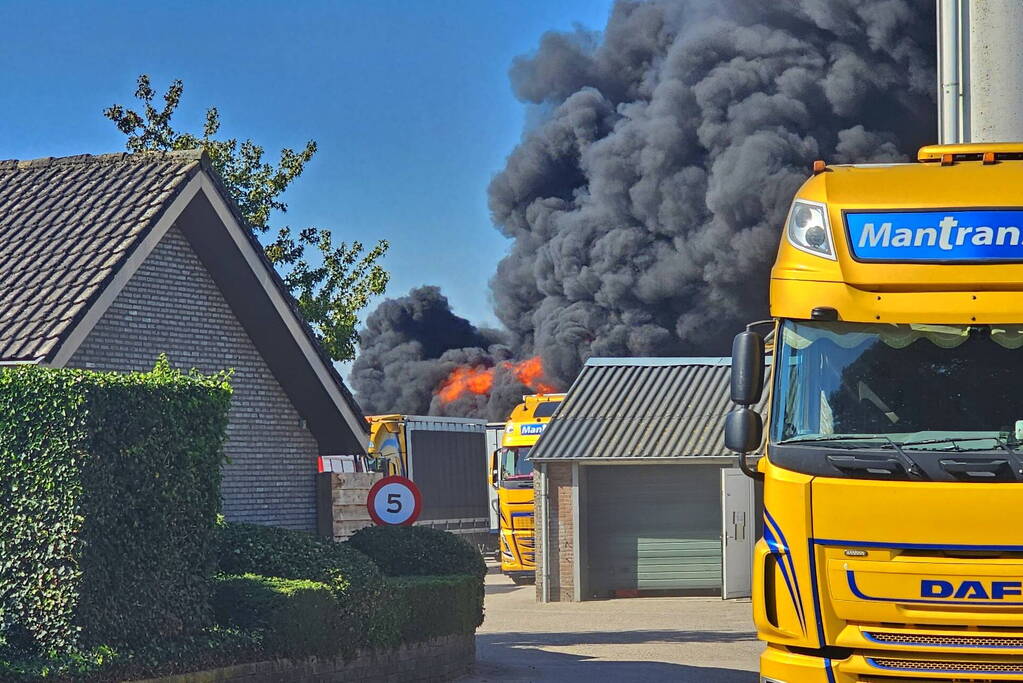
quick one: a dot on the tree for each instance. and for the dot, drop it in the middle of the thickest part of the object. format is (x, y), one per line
(330, 290)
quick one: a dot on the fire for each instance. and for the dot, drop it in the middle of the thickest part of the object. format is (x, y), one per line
(479, 380)
(529, 373)
(466, 379)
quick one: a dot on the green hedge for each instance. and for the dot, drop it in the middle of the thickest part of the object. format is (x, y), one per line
(418, 608)
(296, 617)
(418, 551)
(269, 551)
(208, 649)
(111, 490)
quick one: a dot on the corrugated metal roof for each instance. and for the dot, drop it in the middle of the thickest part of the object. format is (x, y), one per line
(642, 408)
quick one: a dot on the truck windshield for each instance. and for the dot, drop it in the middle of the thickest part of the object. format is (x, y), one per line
(910, 387)
(514, 464)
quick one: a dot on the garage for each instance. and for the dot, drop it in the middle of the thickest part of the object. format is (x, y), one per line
(653, 528)
(635, 492)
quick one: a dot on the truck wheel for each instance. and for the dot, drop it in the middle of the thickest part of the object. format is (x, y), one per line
(523, 580)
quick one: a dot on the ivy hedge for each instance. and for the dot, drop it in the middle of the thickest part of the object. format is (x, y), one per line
(111, 491)
(208, 649)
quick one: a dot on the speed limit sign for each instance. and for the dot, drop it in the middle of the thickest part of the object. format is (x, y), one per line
(394, 501)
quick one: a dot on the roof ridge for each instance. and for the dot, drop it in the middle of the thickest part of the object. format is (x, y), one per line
(195, 154)
(658, 361)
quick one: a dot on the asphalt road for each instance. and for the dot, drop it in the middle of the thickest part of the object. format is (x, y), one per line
(698, 640)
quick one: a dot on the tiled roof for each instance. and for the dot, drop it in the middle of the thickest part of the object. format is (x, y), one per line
(66, 226)
(642, 408)
(69, 226)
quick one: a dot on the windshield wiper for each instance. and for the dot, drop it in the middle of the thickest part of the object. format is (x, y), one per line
(956, 440)
(1012, 456)
(975, 468)
(907, 463)
(831, 437)
(1017, 464)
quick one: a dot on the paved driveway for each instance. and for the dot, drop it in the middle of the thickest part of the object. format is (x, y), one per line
(698, 640)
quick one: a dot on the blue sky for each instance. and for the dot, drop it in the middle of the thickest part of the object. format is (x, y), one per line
(409, 102)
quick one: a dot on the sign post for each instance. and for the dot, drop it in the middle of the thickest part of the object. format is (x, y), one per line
(394, 501)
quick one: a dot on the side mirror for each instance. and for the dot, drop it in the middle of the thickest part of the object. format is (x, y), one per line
(493, 468)
(747, 380)
(744, 430)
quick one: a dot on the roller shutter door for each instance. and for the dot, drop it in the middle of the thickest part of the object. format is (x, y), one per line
(652, 527)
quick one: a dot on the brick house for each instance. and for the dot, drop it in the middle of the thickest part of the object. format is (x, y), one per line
(108, 261)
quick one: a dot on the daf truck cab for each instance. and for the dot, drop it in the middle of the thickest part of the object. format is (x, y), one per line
(892, 548)
(512, 476)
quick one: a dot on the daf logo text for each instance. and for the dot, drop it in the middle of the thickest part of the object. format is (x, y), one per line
(970, 589)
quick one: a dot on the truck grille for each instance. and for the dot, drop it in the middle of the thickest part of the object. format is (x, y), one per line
(938, 666)
(921, 640)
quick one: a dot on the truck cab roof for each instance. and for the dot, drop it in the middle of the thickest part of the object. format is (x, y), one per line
(936, 240)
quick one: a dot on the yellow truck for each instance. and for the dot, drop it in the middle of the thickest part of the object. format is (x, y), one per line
(511, 474)
(893, 468)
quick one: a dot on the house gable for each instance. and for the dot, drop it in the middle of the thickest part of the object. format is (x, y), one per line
(172, 305)
(73, 232)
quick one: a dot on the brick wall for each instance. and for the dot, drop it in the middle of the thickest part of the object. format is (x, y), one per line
(172, 305)
(560, 530)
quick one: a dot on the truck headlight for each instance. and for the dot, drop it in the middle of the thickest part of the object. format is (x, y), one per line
(808, 229)
(765, 679)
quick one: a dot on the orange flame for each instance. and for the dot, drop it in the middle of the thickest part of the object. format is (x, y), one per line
(479, 380)
(465, 379)
(529, 373)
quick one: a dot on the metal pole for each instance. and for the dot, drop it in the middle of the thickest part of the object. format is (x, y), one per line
(541, 510)
(949, 94)
(994, 64)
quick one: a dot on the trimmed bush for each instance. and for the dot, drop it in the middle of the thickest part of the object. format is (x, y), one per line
(297, 617)
(433, 585)
(418, 551)
(418, 608)
(269, 551)
(111, 490)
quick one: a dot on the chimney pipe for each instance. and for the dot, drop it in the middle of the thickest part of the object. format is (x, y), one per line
(980, 71)
(950, 96)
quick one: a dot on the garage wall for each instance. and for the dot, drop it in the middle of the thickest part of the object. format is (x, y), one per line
(559, 527)
(673, 540)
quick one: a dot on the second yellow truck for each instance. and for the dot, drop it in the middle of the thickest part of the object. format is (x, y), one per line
(512, 475)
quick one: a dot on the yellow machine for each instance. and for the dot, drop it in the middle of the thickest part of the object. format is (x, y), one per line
(892, 545)
(387, 444)
(447, 459)
(512, 475)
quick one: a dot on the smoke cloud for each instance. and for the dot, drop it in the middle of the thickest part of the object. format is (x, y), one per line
(646, 199)
(413, 343)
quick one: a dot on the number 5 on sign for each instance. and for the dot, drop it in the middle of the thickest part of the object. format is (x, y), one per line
(394, 501)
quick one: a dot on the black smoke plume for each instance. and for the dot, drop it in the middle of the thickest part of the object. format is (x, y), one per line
(646, 198)
(414, 343)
